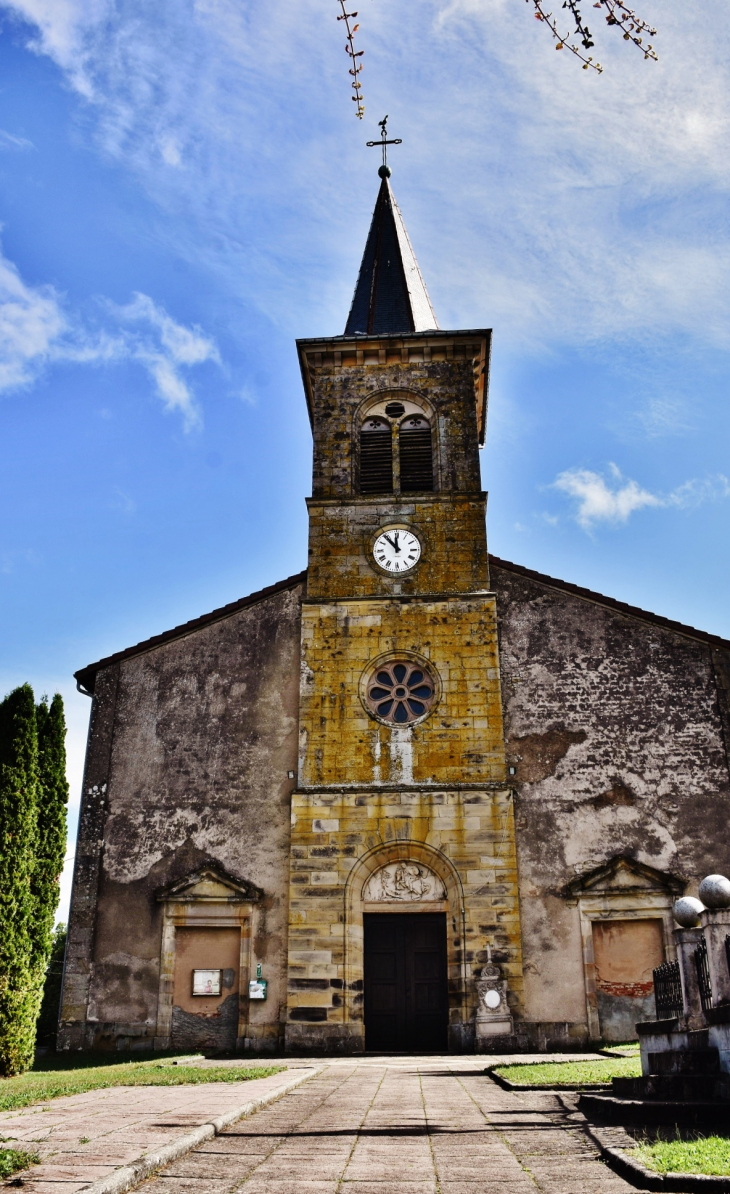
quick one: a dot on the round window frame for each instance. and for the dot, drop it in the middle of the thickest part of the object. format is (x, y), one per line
(395, 526)
(388, 659)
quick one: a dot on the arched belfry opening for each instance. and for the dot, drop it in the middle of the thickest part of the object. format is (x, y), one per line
(395, 447)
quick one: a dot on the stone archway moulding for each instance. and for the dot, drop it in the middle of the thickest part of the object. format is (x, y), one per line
(437, 870)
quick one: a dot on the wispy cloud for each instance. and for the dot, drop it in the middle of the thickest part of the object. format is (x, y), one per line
(586, 206)
(36, 329)
(63, 30)
(613, 500)
(11, 141)
(165, 354)
(31, 325)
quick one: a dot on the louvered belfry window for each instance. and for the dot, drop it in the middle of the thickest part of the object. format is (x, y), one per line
(416, 455)
(376, 456)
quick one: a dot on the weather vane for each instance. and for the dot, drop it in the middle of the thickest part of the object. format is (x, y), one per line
(384, 170)
(354, 55)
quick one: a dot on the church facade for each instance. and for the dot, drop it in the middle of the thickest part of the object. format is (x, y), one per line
(413, 799)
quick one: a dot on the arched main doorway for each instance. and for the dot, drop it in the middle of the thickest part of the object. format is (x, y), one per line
(402, 958)
(405, 982)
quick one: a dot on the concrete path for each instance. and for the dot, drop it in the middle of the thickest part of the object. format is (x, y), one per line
(411, 1125)
(84, 1137)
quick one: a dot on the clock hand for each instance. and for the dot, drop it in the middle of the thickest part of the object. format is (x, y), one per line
(396, 533)
(390, 541)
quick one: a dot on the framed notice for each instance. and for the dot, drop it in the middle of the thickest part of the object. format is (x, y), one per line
(206, 982)
(257, 988)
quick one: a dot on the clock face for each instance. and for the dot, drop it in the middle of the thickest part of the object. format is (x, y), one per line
(397, 551)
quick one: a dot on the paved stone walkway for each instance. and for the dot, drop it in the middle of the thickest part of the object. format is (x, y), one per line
(83, 1137)
(411, 1125)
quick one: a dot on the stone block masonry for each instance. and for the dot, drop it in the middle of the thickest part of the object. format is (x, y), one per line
(465, 836)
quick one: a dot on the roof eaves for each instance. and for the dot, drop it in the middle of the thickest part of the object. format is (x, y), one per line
(622, 607)
(86, 676)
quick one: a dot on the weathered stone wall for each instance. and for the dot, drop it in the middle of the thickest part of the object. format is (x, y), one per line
(431, 792)
(615, 726)
(196, 747)
(460, 742)
(343, 391)
(338, 841)
(450, 529)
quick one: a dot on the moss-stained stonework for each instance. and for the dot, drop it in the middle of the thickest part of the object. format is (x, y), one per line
(466, 837)
(460, 741)
(434, 792)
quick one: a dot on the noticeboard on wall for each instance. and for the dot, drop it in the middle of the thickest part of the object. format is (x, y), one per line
(206, 982)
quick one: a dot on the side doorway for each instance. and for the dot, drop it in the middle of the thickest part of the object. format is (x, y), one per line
(406, 993)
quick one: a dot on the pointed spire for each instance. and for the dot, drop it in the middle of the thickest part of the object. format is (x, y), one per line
(390, 295)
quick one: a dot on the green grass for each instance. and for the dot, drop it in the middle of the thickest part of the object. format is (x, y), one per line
(630, 1049)
(38, 1085)
(13, 1159)
(703, 1154)
(562, 1073)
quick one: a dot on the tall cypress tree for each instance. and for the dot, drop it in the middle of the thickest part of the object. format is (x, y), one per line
(19, 986)
(52, 798)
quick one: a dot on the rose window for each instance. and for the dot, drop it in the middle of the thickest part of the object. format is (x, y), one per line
(400, 692)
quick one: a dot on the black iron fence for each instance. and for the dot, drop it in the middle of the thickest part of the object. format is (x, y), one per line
(703, 975)
(668, 991)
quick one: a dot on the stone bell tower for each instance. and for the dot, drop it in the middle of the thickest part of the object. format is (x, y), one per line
(403, 884)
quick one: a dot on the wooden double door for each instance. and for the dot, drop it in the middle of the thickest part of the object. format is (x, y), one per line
(406, 992)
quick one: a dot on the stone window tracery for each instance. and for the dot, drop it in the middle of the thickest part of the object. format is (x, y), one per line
(400, 692)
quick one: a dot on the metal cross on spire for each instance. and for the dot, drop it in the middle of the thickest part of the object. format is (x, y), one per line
(384, 170)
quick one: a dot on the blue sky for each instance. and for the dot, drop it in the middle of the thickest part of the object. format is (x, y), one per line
(184, 189)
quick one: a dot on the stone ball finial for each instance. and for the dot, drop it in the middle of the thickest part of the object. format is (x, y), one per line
(715, 891)
(687, 912)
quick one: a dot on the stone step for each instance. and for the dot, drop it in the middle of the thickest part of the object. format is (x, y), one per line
(685, 1061)
(645, 1112)
(673, 1087)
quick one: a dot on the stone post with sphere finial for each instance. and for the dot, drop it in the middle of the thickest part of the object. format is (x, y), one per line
(687, 913)
(715, 895)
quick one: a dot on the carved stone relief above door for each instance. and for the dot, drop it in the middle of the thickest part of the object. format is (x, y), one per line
(404, 882)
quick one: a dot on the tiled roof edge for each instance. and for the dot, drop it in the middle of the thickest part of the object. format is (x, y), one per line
(622, 607)
(85, 676)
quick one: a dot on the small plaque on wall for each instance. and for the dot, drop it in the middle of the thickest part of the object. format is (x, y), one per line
(257, 988)
(206, 982)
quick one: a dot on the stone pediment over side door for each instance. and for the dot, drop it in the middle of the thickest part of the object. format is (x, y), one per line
(208, 924)
(622, 874)
(209, 883)
(625, 911)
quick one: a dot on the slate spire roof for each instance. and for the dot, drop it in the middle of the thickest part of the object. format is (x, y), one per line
(390, 296)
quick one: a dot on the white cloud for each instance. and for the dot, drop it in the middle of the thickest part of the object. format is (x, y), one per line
(616, 499)
(36, 330)
(11, 141)
(562, 204)
(597, 501)
(31, 323)
(63, 29)
(163, 356)
(695, 493)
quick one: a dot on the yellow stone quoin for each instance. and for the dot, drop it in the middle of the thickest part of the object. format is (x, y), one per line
(370, 793)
